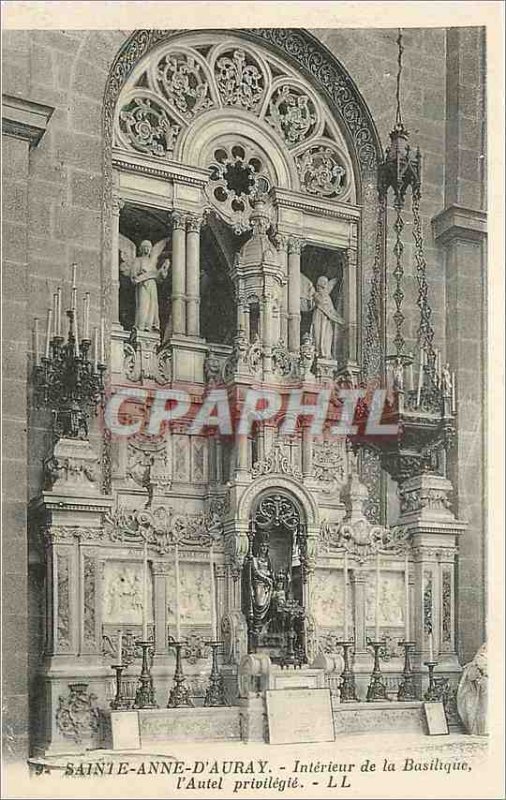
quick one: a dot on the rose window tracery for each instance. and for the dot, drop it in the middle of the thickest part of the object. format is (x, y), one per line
(238, 174)
(169, 100)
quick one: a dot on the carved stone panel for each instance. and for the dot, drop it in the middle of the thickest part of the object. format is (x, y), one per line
(194, 594)
(122, 598)
(63, 629)
(181, 458)
(327, 597)
(391, 599)
(89, 592)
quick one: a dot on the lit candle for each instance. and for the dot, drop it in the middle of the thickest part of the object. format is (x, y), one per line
(102, 342)
(377, 632)
(145, 594)
(48, 330)
(454, 403)
(55, 314)
(36, 341)
(95, 342)
(345, 596)
(58, 325)
(431, 647)
(86, 315)
(406, 598)
(120, 648)
(178, 614)
(213, 596)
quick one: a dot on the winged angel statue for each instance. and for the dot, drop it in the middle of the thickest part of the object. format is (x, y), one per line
(325, 318)
(145, 273)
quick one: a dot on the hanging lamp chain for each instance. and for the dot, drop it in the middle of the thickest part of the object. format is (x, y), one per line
(400, 51)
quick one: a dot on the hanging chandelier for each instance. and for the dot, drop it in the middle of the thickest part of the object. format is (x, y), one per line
(421, 389)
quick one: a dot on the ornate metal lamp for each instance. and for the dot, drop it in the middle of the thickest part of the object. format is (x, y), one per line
(422, 408)
(67, 380)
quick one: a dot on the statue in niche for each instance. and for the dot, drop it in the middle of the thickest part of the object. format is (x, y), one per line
(145, 273)
(258, 585)
(325, 318)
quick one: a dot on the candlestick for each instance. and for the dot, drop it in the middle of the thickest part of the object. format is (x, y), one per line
(215, 692)
(145, 694)
(180, 694)
(178, 615)
(145, 594)
(36, 352)
(120, 648)
(406, 597)
(407, 687)
(119, 703)
(48, 330)
(377, 596)
(58, 325)
(377, 689)
(102, 342)
(213, 594)
(348, 689)
(345, 596)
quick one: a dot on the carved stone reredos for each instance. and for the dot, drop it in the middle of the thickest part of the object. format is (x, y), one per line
(73, 467)
(258, 250)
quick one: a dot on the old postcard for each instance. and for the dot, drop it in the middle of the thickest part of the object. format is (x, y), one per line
(252, 385)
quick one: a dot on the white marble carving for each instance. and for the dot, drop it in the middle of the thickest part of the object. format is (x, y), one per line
(122, 593)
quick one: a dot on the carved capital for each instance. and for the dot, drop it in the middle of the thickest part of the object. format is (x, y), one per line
(193, 223)
(160, 567)
(295, 245)
(178, 220)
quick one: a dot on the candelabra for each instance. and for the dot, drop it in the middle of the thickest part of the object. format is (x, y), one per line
(432, 694)
(179, 695)
(348, 689)
(120, 702)
(145, 695)
(376, 689)
(407, 690)
(66, 379)
(215, 693)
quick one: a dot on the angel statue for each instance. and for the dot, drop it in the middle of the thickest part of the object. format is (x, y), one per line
(144, 273)
(325, 317)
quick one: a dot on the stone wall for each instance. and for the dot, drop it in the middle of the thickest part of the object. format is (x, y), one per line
(52, 216)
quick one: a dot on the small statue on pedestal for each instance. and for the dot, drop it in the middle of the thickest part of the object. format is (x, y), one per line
(145, 274)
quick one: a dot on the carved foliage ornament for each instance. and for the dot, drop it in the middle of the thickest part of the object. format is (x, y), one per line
(162, 527)
(148, 127)
(276, 463)
(183, 81)
(362, 539)
(239, 79)
(298, 48)
(292, 114)
(321, 172)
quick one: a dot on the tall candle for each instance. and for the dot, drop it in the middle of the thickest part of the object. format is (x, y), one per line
(454, 405)
(36, 352)
(406, 598)
(345, 596)
(74, 275)
(58, 324)
(420, 379)
(102, 342)
(73, 302)
(48, 330)
(120, 648)
(411, 378)
(86, 315)
(377, 631)
(95, 344)
(76, 333)
(213, 596)
(55, 314)
(431, 647)
(178, 614)
(145, 594)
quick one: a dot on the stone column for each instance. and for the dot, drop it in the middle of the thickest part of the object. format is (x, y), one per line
(117, 205)
(307, 451)
(160, 570)
(282, 247)
(460, 229)
(178, 274)
(90, 628)
(350, 351)
(266, 325)
(425, 513)
(193, 226)
(294, 251)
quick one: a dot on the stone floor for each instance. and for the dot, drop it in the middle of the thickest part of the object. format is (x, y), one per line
(360, 765)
